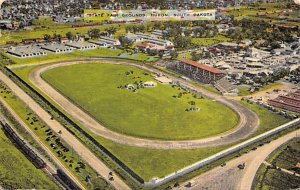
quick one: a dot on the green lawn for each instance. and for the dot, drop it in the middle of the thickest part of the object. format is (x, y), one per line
(150, 113)
(46, 27)
(268, 120)
(150, 163)
(244, 91)
(77, 54)
(68, 158)
(17, 172)
(210, 41)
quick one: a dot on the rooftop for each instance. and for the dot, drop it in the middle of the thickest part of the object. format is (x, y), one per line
(79, 44)
(201, 66)
(55, 47)
(26, 50)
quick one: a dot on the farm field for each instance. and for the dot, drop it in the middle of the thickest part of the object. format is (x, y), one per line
(149, 163)
(149, 113)
(17, 172)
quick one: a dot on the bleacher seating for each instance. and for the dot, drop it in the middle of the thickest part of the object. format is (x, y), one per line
(289, 102)
(225, 87)
(197, 71)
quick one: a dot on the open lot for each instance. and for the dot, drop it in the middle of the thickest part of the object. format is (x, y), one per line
(149, 113)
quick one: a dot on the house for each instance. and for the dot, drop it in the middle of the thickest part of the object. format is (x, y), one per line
(107, 42)
(26, 51)
(155, 41)
(223, 27)
(134, 38)
(141, 37)
(81, 45)
(158, 33)
(57, 48)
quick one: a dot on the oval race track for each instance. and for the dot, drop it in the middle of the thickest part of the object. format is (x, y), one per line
(247, 125)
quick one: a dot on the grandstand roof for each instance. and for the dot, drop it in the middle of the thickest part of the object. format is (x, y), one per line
(201, 66)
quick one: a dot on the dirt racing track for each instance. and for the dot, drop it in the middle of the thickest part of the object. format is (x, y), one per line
(248, 120)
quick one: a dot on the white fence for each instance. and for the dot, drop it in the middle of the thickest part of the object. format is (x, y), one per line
(201, 163)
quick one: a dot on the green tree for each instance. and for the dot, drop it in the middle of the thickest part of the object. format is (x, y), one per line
(125, 42)
(173, 54)
(111, 30)
(47, 38)
(94, 33)
(70, 36)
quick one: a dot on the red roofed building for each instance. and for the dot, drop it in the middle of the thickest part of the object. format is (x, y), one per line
(200, 72)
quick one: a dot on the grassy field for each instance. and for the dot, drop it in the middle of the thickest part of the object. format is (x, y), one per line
(51, 139)
(272, 179)
(149, 163)
(48, 27)
(17, 172)
(148, 113)
(249, 12)
(152, 163)
(244, 91)
(286, 157)
(77, 54)
(210, 41)
(268, 119)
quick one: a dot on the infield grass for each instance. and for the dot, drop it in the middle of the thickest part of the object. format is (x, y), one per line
(150, 113)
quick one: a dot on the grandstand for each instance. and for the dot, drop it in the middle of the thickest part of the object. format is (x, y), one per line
(197, 71)
(290, 102)
(225, 87)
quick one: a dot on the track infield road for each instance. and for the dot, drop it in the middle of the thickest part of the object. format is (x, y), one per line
(83, 151)
(247, 124)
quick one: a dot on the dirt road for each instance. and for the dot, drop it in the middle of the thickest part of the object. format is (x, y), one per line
(247, 125)
(230, 177)
(83, 151)
(43, 146)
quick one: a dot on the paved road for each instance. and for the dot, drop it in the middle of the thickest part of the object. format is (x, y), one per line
(230, 177)
(83, 151)
(247, 125)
